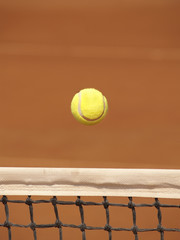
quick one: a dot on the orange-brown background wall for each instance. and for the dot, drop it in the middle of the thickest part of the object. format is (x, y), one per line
(129, 50)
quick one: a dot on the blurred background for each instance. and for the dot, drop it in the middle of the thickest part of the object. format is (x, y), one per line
(129, 50)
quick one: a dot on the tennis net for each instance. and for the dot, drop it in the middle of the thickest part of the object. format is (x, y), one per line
(71, 203)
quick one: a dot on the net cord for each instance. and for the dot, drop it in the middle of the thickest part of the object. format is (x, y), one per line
(160, 183)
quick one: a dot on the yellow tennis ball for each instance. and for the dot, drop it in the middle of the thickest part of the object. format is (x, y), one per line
(89, 106)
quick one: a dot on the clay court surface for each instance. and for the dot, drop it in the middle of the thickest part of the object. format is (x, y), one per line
(129, 50)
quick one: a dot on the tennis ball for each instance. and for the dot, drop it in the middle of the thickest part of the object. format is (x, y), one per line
(89, 106)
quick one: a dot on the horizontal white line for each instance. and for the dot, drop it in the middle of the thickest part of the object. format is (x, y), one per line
(106, 52)
(162, 183)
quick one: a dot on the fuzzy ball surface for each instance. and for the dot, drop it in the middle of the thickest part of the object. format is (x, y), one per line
(89, 106)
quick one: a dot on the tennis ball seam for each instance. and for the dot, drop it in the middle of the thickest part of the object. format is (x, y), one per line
(89, 106)
(84, 117)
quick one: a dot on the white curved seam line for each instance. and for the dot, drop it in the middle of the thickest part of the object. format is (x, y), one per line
(88, 119)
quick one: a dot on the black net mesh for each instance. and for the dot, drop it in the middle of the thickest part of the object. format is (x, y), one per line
(79, 203)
